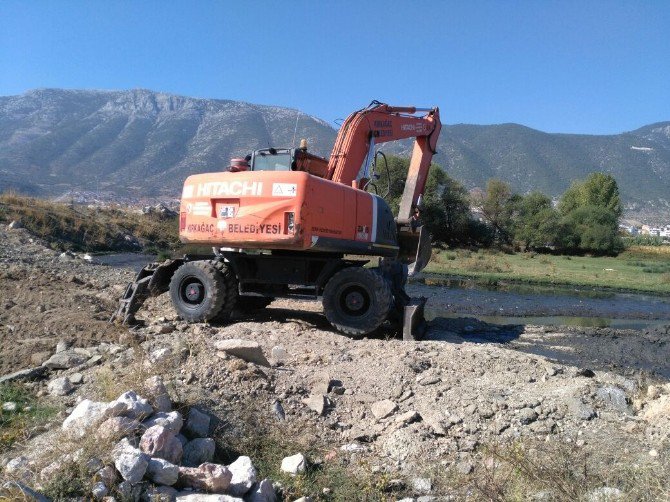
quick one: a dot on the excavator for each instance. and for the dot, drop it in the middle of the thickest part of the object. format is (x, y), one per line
(284, 223)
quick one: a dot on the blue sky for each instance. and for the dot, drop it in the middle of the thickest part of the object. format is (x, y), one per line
(570, 66)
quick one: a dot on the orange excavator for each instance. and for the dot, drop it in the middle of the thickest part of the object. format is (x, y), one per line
(287, 223)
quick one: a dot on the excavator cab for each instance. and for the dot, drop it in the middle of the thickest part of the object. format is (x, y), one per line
(288, 159)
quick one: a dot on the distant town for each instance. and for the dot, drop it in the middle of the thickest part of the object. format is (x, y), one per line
(663, 231)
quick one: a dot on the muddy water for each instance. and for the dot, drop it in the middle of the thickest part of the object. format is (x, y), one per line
(133, 261)
(543, 305)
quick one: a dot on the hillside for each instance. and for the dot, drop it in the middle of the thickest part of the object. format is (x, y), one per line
(145, 143)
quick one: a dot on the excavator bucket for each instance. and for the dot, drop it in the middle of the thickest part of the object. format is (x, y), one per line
(415, 248)
(414, 324)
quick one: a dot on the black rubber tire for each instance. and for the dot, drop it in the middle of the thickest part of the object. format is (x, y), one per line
(357, 300)
(250, 304)
(231, 288)
(197, 291)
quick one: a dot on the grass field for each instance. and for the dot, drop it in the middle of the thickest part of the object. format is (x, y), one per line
(642, 268)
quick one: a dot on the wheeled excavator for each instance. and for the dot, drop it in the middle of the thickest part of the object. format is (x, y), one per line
(287, 223)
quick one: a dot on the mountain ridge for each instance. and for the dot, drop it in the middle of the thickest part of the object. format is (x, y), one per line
(145, 143)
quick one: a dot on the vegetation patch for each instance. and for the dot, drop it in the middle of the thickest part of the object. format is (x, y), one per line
(20, 414)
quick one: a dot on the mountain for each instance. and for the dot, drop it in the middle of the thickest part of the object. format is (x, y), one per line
(145, 143)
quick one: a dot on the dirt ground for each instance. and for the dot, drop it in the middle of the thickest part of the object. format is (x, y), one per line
(468, 384)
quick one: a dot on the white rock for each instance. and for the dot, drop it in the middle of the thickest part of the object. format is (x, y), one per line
(244, 349)
(162, 472)
(205, 497)
(99, 490)
(60, 386)
(17, 466)
(198, 451)
(65, 360)
(262, 492)
(158, 394)
(244, 476)
(605, 494)
(86, 415)
(9, 406)
(294, 464)
(383, 409)
(130, 462)
(130, 405)
(172, 421)
(422, 485)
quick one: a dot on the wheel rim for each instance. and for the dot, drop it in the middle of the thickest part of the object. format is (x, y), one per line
(192, 291)
(354, 300)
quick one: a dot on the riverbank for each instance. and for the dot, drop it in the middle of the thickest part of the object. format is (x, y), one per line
(640, 269)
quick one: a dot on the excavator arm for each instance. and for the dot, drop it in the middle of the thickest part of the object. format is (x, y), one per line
(379, 123)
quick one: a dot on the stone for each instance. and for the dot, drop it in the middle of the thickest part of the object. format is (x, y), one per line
(86, 415)
(15, 224)
(244, 349)
(197, 423)
(129, 491)
(294, 464)
(76, 378)
(279, 354)
(65, 360)
(580, 410)
(422, 485)
(212, 478)
(9, 406)
(464, 467)
(99, 490)
(262, 492)
(204, 497)
(130, 405)
(116, 427)
(657, 409)
(527, 416)
(408, 417)
(14, 490)
(62, 346)
(130, 462)
(198, 451)
(278, 410)
(107, 475)
(613, 398)
(653, 392)
(383, 409)
(27, 374)
(161, 494)
(160, 442)
(316, 403)
(172, 421)
(162, 472)
(158, 394)
(60, 386)
(38, 358)
(244, 476)
(605, 494)
(17, 466)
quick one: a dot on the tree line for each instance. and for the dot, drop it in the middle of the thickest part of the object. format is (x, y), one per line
(585, 220)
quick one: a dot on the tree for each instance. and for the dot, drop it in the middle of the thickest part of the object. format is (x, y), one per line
(592, 229)
(598, 189)
(498, 206)
(536, 222)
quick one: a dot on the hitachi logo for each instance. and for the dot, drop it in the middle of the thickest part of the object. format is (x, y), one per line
(216, 188)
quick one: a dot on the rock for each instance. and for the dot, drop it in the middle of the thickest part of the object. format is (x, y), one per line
(408, 417)
(76, 378)
(86, 415)
(527, 416)
(316, 402)
(158, 394)
(198, 451)
(278, 411)
(160, 356)
(658, 409)
(464, 467)
(197, 423)
(15, 224)
(60, 386)
(294, 464)
(160, 442)
(262, 492)
(9, 406)
(580, 410)
(162, 472)
(244, 476)
(614, 398)
(62, 346)
(653, 392)
(353, 448)
(172, 421)
(27, 374)
(161, 494)
(107, 475)
(244, 349)
(38, 358)
(13, 490)
(130, 462)
(279, 354)
(436, 423)
(585, 372)
(130, 405)
(203, 497)
(18, 467)
(422, 485)
(212, 478)
(117, 427)
(99, 490)
(129, 491)
(383, 409)
(65, 360)
(605, 494)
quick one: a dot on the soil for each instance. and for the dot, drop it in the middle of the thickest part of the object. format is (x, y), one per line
(469, 383)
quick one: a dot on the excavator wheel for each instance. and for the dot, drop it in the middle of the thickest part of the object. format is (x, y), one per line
(357, 300)
(198, 291)
(232, 298)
